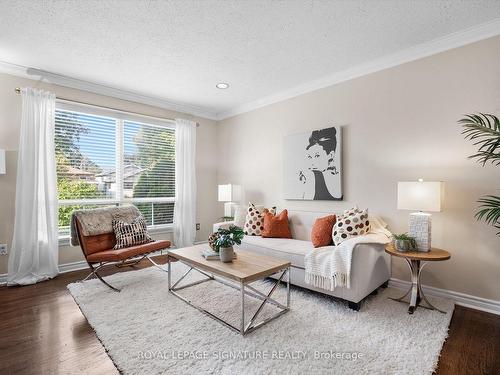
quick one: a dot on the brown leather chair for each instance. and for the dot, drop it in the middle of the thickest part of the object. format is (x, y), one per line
(98, 251)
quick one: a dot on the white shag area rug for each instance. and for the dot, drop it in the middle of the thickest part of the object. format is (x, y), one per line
(146, 330)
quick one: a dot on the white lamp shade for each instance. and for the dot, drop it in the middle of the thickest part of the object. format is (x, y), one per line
(2, 161)
(421, 196)
(229, 193)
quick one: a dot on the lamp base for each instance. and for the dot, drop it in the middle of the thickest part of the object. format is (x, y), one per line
(228, 209)
(420, 229)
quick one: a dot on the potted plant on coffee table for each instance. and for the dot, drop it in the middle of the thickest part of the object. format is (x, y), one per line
(226, 239)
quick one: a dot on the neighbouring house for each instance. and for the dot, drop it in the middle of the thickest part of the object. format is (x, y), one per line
(72, 173)
(131, 174)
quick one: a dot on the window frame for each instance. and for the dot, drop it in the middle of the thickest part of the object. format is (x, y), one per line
(120, 117)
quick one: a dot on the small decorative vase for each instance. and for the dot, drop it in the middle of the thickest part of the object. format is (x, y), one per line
(404, 245)
(226, 254)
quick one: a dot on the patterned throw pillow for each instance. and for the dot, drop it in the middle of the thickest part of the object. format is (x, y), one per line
(351, 223)
(131, 234)
(254, 222)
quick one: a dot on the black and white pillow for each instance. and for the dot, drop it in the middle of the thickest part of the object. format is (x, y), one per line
(254, 222)
(351, 223)
(132, 234)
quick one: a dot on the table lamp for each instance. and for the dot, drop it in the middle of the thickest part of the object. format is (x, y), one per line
(229, 194)
(2, 161)
(421, 196)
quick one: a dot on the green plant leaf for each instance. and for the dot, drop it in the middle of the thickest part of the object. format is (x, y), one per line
(489, 211)
(484, 130)
(229, 237)
(403, 237)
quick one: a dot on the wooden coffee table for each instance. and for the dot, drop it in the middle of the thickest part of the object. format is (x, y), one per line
(414, 259)
(247, 268)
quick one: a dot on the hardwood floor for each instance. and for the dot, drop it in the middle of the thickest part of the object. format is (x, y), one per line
(473, 344)
(42, 331)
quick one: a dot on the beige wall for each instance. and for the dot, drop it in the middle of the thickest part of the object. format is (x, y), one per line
(10, 119)
(399, 124)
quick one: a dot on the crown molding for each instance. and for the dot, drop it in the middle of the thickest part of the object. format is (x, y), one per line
(454, 40)
(450, 41)
(96, 88)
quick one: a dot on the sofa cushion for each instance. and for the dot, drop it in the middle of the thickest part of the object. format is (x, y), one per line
(282, 248)
(321, 234)
(276, 226)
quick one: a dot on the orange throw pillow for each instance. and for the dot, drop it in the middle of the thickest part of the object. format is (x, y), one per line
(276, 226)
(321, 234)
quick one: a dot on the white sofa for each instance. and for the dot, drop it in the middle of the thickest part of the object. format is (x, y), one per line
(370, 267)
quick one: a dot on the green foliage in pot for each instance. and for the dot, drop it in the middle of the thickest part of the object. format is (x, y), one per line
(226, 218)
(228, 237)
(404, 242)
(403, 237)
(484, 131)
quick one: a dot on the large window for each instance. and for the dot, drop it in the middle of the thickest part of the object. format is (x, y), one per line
(106, 159)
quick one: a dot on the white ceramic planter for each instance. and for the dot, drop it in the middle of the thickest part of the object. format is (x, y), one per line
(226, 254)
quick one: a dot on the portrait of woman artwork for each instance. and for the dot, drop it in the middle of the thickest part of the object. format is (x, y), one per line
(312, 165)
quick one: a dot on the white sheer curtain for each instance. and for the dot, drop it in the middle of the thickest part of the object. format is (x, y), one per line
(185, 181)
(34, 252)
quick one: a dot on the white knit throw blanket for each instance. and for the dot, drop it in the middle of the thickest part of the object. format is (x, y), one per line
(330, 267)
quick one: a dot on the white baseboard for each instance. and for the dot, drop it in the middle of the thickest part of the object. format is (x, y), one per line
(63, 268)
(73, 266)
(461, 299)
(80, 265)
(69, 267)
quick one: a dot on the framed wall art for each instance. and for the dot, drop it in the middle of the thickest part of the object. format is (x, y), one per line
(312, 165)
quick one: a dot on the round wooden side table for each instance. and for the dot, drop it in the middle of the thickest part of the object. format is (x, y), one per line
(416, 261)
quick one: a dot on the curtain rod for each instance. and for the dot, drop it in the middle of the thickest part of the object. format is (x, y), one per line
(18, 91)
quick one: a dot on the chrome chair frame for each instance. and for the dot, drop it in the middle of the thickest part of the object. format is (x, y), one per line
(121, 264)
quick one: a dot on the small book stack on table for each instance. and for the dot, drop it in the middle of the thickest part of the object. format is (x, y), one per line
(209, 254)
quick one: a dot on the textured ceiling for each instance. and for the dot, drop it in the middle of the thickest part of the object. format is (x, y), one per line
(179, 50)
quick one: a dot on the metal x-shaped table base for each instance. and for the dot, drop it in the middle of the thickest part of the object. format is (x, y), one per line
(245, 289)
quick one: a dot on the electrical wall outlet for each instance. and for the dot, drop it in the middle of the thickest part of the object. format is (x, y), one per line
(3, 249)
(197, 226)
